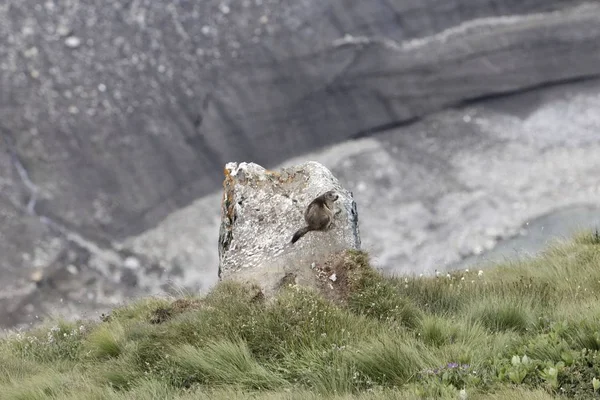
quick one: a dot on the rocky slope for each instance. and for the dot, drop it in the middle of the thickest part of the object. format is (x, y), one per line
(114, 115)
(445, 188)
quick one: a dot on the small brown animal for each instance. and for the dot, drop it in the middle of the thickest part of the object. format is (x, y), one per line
(318, 214)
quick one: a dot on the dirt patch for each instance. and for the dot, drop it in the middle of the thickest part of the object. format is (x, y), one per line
(179, 306)
(339, 274)
(259, 297)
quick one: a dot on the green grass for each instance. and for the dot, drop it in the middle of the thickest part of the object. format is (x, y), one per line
(520, 330)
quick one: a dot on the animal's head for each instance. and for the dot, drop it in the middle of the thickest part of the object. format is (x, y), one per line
(331, 196)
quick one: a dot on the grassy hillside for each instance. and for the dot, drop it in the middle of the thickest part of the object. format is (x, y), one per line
(526, 330)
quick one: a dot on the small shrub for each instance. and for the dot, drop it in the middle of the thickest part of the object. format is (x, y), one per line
(517, 369)
(576, 381)
(582, 335)
(550, 347)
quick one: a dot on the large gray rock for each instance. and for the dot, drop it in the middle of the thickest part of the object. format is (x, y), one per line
(262, 209)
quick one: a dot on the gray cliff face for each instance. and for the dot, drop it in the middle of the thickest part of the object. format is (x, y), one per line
(125, 111)
(113, 115)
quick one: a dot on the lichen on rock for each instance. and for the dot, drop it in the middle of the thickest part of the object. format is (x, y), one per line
(260, 212)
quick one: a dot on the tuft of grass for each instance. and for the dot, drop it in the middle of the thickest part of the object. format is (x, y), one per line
(437, 331)
(582, 335)
(40, 387)
(501, 315)
(436, 295)
(381, 300)
(588, 238)
(392, 361)
(120, 374)
(106, 341)
(15, 369)
(220, 363)
(324, 371)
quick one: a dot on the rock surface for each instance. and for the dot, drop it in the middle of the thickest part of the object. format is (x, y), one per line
(122, 112)
(260, 212)
(115, 115)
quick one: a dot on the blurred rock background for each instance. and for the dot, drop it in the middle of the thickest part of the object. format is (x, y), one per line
(463, 127)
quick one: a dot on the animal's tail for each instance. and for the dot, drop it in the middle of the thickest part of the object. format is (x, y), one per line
(299, 233)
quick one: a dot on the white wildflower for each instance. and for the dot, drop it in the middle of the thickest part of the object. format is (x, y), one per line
(72, 42)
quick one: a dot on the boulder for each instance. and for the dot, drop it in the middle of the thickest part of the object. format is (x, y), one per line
(260, 212)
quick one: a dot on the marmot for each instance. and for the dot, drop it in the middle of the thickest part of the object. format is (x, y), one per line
(318, 214)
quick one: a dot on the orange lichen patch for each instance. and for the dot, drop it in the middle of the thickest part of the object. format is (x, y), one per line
(227, 202)
(283, 176)
(228, 181)
(274, 174)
